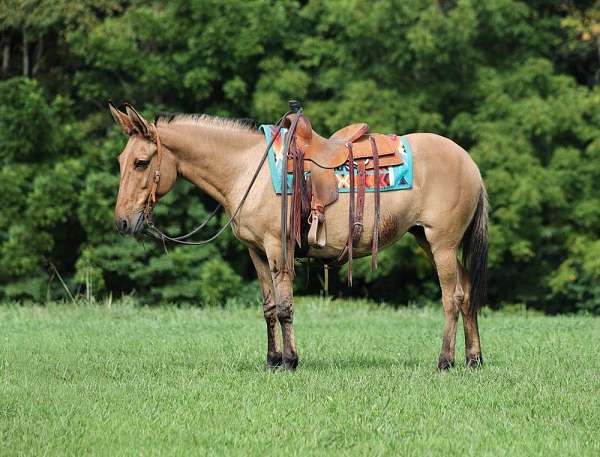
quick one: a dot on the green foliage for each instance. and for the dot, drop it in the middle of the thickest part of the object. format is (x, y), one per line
(513, 81)
(25, 122)
(218, 282)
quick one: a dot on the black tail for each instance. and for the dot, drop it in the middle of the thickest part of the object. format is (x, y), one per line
(475, 253)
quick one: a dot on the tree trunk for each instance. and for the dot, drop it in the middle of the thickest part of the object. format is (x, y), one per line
(5, 56)
(597, 78)
(25, 54)
(39, 49)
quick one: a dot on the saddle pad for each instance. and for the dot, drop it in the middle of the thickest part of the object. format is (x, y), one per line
(390, 178)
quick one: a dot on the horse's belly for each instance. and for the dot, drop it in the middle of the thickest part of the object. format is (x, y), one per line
(398, 213)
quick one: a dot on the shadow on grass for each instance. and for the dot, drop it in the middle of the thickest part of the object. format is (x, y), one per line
(359, 361)
(341, 363)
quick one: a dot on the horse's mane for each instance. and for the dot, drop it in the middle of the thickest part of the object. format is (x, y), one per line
(245, 124)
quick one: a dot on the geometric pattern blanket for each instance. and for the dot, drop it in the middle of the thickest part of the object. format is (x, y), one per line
(390, 178)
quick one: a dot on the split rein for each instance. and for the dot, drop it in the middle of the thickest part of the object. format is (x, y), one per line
(154, 231)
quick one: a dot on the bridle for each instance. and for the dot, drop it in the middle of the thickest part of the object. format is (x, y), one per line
(152, 230)
(151, 200)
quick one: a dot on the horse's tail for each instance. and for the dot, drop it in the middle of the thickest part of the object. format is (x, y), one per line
(475, 253)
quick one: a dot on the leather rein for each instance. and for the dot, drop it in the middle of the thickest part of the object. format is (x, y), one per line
(152, 230)
(293, 152)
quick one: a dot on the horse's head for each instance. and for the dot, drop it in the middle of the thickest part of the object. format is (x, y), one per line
(143, 172)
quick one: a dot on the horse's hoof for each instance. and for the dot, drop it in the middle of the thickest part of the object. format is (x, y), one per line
(290, 362)
(474, 360)
(274, 360)
(444, 363)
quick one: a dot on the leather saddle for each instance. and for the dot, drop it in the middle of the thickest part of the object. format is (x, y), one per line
(322, 156)
(333, 152)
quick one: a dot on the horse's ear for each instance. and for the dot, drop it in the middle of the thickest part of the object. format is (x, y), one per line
(121, 119)
(138, 121)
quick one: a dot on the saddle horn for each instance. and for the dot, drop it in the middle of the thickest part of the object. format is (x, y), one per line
(295, 106)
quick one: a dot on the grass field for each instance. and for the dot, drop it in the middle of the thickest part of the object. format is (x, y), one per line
(125, 380)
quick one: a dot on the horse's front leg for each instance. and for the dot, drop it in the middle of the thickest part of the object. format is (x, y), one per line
(284, 303)
(269, 309)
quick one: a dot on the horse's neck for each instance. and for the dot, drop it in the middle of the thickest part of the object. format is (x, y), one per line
(214, 158)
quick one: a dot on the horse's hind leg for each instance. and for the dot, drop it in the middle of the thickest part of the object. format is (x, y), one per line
(446, 264)
(472, 344)
(460, 298)
(269, 309)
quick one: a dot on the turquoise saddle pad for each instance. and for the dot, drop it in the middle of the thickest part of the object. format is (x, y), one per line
(398, 177)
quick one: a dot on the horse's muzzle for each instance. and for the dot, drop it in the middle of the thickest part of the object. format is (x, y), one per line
(131, 225)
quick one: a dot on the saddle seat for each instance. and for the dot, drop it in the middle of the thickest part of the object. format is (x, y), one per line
(351, 132)
(322, 156)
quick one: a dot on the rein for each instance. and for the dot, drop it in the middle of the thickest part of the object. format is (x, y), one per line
(154, 231)
(292, 152)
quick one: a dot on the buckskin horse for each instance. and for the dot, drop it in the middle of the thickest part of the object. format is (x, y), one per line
(445, 209)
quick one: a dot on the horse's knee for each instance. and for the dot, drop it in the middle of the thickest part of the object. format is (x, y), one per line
(285, 312)
(269, 309)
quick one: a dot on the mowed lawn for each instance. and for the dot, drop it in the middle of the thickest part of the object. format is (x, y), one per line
(127, 380)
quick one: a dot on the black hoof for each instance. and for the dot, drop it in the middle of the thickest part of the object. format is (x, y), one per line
(444, 363)
(475, 361)
(274, 360)
(290, 362)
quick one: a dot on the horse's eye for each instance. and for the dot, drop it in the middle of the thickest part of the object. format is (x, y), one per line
(141, 164)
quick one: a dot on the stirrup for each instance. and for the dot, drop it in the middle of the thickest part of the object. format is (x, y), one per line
(317, 234)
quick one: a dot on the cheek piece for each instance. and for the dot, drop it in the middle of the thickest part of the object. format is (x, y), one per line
(151, 201)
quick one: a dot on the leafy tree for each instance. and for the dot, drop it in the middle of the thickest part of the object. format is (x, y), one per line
(513, 81)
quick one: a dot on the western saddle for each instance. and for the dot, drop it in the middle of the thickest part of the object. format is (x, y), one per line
(307, 151)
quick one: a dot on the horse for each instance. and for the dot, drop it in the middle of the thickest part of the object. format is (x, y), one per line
(446, 210)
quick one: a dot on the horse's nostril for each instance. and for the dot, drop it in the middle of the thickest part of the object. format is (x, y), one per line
(122, 225)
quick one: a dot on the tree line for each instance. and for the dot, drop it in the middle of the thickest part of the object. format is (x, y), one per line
(514, 82)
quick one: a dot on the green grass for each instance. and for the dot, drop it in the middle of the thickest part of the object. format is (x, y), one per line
(125, 380)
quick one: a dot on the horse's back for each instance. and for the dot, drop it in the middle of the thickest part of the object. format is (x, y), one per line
(448, 180)
(435, 151)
